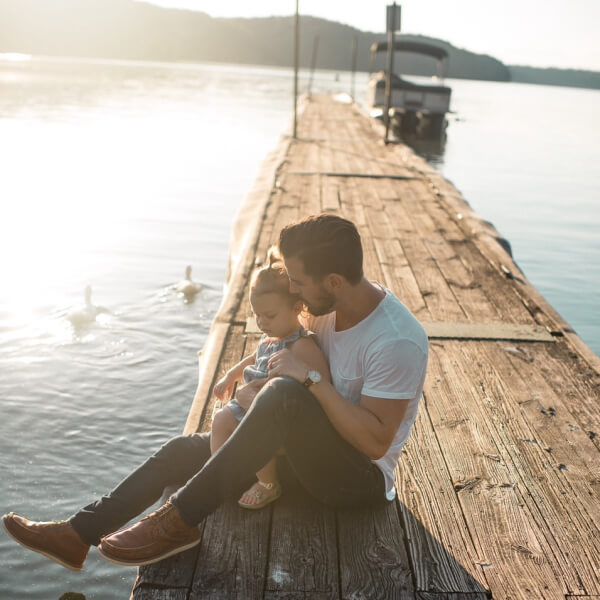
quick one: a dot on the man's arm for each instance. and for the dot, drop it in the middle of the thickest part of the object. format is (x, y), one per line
(370, 427)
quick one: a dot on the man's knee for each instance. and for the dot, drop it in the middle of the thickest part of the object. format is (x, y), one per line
(283, 394)
(177, 448)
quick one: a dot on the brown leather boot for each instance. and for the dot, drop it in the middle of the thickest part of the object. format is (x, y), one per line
(159, 535)
(56, 540)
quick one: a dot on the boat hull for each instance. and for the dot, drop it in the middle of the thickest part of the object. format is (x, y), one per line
(408, 96)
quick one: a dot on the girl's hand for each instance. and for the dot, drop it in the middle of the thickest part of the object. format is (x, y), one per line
(223, 389)
(285, 362)
(245, 395)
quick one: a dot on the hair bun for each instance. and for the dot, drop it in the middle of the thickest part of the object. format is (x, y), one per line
(273, 257)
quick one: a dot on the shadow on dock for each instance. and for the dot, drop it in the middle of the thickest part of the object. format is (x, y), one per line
(299, 548)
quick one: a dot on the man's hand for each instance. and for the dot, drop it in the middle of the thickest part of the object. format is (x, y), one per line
(285, 362)
(245, 396)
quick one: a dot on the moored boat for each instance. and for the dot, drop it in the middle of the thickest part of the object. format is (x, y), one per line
(415, 108)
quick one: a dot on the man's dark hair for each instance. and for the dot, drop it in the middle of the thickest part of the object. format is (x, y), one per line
(325, 244)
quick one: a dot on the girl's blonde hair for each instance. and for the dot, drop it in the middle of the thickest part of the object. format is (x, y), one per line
(272, 278)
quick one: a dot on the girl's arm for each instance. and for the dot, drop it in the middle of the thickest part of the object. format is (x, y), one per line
(306, 350)
(224, 387)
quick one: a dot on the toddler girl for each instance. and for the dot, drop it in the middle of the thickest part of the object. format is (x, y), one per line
(276, 311)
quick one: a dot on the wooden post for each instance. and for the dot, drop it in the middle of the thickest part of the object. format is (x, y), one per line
(354, 53)
(393, 23)
(313, 62)
(296, 60)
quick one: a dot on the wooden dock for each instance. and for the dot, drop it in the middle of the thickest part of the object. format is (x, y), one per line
(499, 483)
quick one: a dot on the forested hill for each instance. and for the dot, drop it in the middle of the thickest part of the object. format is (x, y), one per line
(135, 30)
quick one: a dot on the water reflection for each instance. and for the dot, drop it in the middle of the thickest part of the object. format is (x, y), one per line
(432, 150)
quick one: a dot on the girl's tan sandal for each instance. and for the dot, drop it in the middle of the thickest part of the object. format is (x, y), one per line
(265, 493)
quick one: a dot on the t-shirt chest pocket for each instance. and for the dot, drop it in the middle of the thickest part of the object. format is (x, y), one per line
(349, 387)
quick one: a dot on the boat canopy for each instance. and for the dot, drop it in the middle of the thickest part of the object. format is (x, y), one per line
(409, 46)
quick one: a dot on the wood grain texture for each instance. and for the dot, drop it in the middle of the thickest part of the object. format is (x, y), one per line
(373, 559)
(159, 593)
(510, 544)
(451, 596)
(303, 558)
(233, 350)
(233, 553)
(441, 550)
(552, 459)
(174, 572)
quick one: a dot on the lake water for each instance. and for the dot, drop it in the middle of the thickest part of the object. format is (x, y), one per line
(118, 175)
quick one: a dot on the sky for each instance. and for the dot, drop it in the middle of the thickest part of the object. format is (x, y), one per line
(540, 33)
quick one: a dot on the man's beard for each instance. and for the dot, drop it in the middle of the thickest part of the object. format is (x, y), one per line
(323, 307)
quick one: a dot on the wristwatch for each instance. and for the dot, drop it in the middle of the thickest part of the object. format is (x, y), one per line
(312, 377)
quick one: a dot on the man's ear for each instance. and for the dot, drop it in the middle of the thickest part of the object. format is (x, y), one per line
(333, 282)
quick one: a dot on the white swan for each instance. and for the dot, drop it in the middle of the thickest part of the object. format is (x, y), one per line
(187, 287)
(87, 313)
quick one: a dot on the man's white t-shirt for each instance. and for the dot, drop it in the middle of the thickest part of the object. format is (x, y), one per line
(383, 356)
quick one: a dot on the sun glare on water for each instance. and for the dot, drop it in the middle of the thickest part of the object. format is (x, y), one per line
(59, 208)
(78, 195)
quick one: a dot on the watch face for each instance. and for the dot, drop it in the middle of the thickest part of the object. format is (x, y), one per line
(315, 376)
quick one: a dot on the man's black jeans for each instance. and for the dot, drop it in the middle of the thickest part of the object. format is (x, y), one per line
(283, 415)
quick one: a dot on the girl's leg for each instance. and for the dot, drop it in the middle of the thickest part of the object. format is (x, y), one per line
(284, 414)
(268, 474)
(265, 490)
(223, 425)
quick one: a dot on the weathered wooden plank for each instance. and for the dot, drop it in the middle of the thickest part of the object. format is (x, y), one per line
(353, 210)
(451, 596)
(310, 201)
(233, 553)
(303, 556)
(440, 548)
(278, 215)
(504, 532)
(368, 196)
(373, 559)
(399, 278)
(499, 291)
(208, 361)
(355, 175)
(578, 384)
(459, 277)
(297, 596)
(547, 410)
(440, 299)
(487, 331)
(330, 199)
(172, 573)
(233, 348)
(538, 442)
(159, 593)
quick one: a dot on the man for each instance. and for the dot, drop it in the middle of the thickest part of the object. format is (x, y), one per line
(342, 440)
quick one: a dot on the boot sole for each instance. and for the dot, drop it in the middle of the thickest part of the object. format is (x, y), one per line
(52, 557)
(148, 561)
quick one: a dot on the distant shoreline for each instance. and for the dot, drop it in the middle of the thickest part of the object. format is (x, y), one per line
(127, 30)
(19, 58)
